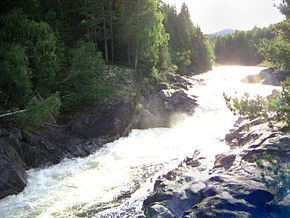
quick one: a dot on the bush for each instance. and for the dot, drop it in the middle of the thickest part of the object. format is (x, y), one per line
(273, 108)
(86, 85)
(248, 108)
(15, 76)
(37, 112)
(39, 42)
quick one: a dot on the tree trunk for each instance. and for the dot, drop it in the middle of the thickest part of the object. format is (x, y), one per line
(137, 38)
(128, 53)
(112, 32)
(105, 34)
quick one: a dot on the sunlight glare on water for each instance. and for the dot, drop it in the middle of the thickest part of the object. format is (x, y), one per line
(92, 185)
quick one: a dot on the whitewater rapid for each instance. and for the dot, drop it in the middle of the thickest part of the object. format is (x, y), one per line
(114, 181)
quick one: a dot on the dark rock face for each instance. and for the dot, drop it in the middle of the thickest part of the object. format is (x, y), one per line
(115, 117)
(276, 78)
(12, 168)
(234, 187)
(159, 211)
(268, 77)
(225, 161)
(160, 107)
(259, 198)
(86, 132)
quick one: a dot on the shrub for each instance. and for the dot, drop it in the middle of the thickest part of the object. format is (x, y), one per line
(248, 108)
(37, 112)
(86, 84)
(273, 108)
(14, 73)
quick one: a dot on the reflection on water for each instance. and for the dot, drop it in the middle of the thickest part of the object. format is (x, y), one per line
(115, 180)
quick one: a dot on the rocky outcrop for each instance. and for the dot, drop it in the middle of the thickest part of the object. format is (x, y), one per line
(232, 187)
(12, 167)
(268, 77)
(82, 136)
(157, 110)
(86, 132)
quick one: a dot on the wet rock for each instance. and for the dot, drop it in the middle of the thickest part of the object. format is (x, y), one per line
(259, 198)
(275, 78)
(158, 108)
(192, 162)
(115, 118)
(235, 188)
(268, 77)
(209, 191)
(12, 169)
(218, 179)
(180, 101)
(225, 161)
(159, 211)
(157, 197)
(220, 207)
(171, 175)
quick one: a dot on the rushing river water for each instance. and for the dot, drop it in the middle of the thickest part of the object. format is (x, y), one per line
(115, 180)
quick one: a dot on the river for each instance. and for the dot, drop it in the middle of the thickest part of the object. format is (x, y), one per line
(115, 180)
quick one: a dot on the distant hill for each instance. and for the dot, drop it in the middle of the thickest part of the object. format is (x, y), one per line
(224, 32)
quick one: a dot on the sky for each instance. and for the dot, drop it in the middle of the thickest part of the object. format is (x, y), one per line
(215, 15)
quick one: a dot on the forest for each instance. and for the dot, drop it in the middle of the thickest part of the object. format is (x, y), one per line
(242, 47)
(53, 52)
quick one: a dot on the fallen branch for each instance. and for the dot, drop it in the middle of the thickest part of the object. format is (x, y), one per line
(12, 113)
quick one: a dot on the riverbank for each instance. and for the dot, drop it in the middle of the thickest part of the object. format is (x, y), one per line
(88, 131)
(233, 186)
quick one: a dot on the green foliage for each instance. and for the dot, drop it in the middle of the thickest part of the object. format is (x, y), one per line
(86, 84)
(273, 108)
(39, 42)
(141, 26)
(190, 50)
(37, 112)
(59, 46)
(275, 175)
(247, 107)
(277, 50)
(15, 76)
(182, 60)
(284, 105)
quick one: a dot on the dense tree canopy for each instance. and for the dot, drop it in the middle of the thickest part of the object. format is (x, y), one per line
(190, 49)
(277, 50)
(61, 46)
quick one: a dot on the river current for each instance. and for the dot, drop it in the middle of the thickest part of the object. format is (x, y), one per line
(114, 181)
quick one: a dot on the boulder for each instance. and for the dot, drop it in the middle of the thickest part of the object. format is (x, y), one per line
(180, 101)
(275, 78)
(158, 108)
(268, 77)
(225, 161)
(159, 211)
(13, 177)
(114, 118)
(259, 198)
